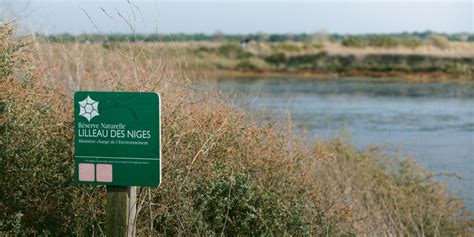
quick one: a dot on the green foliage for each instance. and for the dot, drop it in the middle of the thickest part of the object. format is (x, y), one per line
(411, 42)
(38, 192)
(260, 37)
(236, 205)
(312, 45)
(246, 65)
(11, 52)
(38, 195)
(276, 59)
(371, 63)
(203, 49)
(378, 41)
(440, 41)
(231, 50)
(278, 38)
(305, 61)
(356, 42)
(286, 47)
(383, 42)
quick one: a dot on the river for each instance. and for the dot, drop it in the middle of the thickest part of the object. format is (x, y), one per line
(433, 122)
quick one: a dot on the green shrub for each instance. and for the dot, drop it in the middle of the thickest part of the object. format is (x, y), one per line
(246, 65)
(286, 47)
(232, 50)
(313, 45)
(383, 42)
(306, 61)
(202, 49)
(14, 54)
(380, 41)
(440, 41)
(355, 42)
(411, 42)
(235, 204)
(38, 195)
(38, 192)
(276, 59)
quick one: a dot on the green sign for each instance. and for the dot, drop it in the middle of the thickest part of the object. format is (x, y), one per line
(117, 138)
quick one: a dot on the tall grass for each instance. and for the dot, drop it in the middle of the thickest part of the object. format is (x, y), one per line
(222, 174)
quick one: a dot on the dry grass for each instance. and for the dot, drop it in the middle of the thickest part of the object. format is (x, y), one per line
(222, 174)
(454, 50)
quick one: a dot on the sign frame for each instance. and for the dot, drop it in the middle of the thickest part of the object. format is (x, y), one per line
(117, 138)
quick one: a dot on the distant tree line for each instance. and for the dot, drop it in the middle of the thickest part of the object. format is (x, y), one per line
(361, 40)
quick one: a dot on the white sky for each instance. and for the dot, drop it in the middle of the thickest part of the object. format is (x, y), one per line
(231, 16)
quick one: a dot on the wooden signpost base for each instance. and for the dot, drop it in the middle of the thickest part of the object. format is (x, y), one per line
(121, 211)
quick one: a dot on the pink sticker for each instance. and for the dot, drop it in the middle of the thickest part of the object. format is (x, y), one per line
(86, 172)
(104, 173)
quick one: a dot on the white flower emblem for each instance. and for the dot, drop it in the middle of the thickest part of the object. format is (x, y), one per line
(88, 108)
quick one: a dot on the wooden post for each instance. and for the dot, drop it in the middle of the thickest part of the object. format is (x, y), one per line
(120, 211)
(132, 213)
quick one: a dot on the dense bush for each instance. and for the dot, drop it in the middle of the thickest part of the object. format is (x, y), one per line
(411, 42)
(356, 42)
(276, 59)
(383, 42)
(374, 63)
(231, 50)
(14, 54)
(38, 193)
(440, 41)
(236, 204)
(380, 41)
(246, 65)
(286, 47)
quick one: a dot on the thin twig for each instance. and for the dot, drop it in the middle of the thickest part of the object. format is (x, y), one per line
(92, 22)
(103, 10)
(228, 205)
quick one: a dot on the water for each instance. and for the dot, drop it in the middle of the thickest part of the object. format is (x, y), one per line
(433, 122)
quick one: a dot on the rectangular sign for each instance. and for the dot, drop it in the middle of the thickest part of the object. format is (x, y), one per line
(117, 138)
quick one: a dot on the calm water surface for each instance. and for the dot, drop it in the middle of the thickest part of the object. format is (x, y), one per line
(433, 122)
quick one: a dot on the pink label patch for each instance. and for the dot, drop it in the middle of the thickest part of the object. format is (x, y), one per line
(86, 172)
(104, 173)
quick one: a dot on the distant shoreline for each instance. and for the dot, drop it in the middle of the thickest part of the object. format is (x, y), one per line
(305, 60)
(425, 77)
(328, 60)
